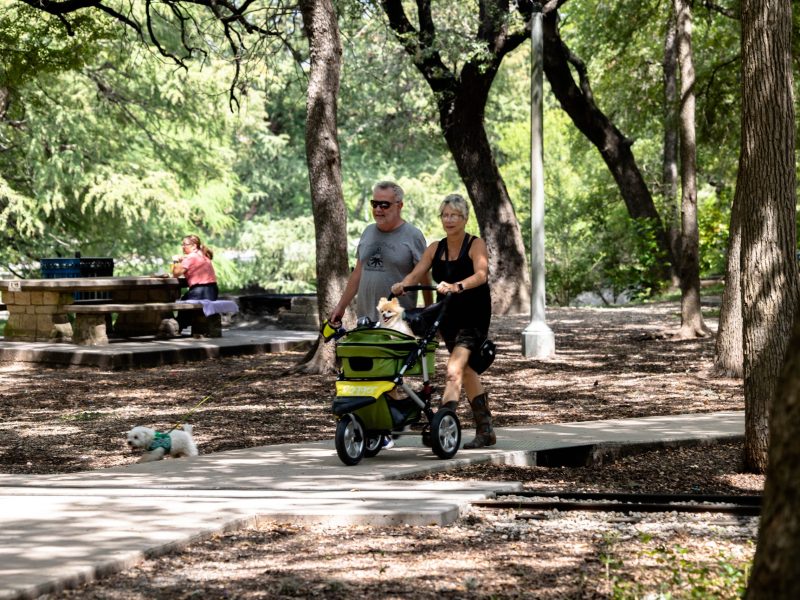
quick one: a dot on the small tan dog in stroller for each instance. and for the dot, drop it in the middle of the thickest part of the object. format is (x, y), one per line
(391, 313)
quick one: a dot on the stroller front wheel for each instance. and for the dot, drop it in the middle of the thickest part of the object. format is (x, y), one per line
(373, 445)
(445, 433)
(350, 440)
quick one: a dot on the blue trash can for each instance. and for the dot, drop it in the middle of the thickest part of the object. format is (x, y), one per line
(53, 268)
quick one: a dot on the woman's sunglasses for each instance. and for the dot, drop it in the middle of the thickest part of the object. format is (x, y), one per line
(382, 204)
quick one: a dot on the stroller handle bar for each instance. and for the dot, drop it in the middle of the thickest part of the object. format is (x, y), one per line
(416, 288)
(334, 331)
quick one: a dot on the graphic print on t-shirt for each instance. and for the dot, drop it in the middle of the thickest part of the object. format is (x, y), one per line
(375, 261)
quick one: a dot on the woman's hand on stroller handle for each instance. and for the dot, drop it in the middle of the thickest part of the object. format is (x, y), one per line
(447, 288)
(398, 289)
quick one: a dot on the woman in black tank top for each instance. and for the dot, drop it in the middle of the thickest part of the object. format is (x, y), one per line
(460, 265)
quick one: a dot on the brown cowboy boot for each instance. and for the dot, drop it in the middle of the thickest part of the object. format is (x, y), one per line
(484, 433)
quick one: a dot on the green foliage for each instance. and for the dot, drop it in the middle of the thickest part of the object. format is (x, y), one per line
(279, 252)
(680, 575)
(388, 127)
(108, 149)
(591, 244)
(713, 220)
(96, 151)
(32, 44)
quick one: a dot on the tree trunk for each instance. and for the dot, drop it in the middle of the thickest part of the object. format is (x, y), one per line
(578, 102)
(692, 324)
(324, 167)
(729, 349)
(774, 572)
(669, 167)
(766, 191)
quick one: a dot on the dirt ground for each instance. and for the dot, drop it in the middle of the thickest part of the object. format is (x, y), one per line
(610, 363)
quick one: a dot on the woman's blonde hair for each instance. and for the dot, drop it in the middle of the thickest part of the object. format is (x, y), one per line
(204, 249)
(457, 203)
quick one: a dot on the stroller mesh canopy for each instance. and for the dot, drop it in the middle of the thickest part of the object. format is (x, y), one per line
(380, 352)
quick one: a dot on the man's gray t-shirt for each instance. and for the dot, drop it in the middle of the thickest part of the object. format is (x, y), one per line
(386, 258)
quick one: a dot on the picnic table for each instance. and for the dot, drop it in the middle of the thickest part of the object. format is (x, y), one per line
(39, 309)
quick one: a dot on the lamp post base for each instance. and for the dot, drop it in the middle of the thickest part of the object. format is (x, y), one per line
(538, 341)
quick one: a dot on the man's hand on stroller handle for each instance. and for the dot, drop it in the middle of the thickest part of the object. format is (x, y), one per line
(335, 317)
(398, 289)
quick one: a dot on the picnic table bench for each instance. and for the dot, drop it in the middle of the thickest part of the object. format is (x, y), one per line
(91, 325)
(39, 309)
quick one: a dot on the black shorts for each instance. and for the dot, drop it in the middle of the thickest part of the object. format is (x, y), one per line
(470, 338)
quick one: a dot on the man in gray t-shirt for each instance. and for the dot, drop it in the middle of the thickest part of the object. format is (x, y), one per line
(387, 252)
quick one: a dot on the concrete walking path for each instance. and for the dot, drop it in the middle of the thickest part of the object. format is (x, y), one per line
(59, 530)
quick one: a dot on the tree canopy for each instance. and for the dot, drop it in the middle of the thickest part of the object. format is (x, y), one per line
(111, 148)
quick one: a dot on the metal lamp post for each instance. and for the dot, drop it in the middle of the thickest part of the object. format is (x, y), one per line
(537, 338)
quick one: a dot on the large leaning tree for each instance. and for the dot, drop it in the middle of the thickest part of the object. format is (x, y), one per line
(461, 95)
(576, 98)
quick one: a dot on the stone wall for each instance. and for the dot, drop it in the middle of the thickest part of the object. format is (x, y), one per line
(35, 317)
(302, 314)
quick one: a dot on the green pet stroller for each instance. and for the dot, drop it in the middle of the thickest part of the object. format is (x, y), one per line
(375, 362)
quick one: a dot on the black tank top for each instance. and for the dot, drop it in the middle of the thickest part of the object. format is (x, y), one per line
(467, 309)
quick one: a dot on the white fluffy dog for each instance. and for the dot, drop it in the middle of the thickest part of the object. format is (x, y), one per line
(157, 445)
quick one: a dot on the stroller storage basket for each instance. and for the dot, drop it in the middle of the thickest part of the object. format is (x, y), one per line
(380, 352)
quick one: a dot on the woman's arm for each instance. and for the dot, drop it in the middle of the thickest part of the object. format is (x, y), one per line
(178, 269)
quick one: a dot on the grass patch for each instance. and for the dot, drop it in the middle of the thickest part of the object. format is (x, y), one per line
(707, 288)
(679, 575)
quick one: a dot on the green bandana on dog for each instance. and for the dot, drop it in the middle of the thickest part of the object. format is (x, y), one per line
(162, 440)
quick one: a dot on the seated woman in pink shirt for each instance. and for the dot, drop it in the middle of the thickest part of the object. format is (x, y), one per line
(197, 268)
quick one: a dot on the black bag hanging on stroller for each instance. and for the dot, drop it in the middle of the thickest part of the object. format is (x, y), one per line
(483, 357)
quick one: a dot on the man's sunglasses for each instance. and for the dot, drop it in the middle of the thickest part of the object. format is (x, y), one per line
(383, 204)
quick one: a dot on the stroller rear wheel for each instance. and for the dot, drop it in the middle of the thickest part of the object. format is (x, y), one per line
(445, 433)
(350, 440)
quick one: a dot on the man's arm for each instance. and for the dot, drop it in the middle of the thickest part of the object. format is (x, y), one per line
(349, 293)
